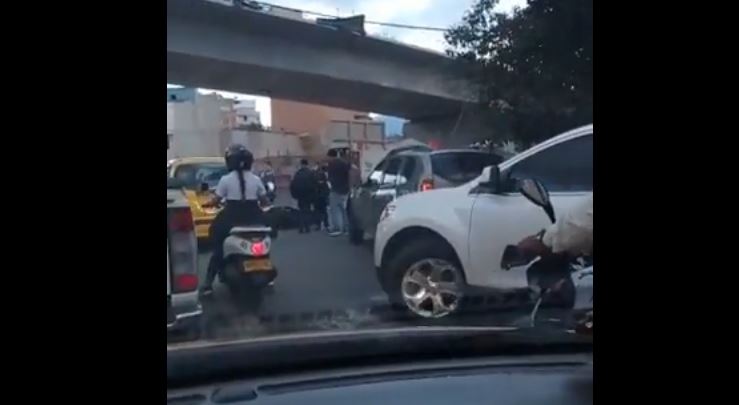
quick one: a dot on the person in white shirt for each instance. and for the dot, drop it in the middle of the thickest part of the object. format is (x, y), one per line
(571, 234)
(242, 192)
(230, 187)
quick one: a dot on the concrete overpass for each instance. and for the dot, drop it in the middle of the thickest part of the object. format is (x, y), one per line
(229, 48)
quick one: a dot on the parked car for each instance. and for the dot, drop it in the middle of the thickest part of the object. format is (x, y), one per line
(184, 311)
(198, 176)
(408, 171)
(432, 249)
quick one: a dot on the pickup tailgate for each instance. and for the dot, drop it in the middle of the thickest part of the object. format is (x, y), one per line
(182, 278)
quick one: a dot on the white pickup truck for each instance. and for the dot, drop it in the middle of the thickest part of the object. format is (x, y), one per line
(184, 311)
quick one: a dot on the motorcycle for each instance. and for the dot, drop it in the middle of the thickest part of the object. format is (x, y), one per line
(569, 278)
(248, 269)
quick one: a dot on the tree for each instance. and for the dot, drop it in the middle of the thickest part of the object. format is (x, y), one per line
(535, 65)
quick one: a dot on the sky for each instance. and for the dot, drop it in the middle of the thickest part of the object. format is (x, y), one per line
(434, 13)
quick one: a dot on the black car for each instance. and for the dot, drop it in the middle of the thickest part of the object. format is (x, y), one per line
(409, 171)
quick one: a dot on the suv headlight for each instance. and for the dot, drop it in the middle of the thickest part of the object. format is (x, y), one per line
(387, 211)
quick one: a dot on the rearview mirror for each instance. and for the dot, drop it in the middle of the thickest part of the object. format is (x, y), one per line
(535, 192)
(204, 187)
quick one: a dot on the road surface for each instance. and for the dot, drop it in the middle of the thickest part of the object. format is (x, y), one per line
(316, 274)
(327, 283)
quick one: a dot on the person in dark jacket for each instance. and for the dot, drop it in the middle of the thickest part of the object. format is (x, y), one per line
(304, 188)
(320, 203)
(338, 178)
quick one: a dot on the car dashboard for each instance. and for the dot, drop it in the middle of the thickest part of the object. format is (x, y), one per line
(535, 379)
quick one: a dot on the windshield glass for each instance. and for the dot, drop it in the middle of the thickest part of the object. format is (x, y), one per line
(367, 116)
(195, 174)
(460, 168)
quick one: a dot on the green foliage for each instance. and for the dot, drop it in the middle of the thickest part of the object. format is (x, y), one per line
(535, 65)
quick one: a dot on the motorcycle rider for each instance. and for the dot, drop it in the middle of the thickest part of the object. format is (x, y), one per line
(243, 192)
(267, 176)
(571, 234)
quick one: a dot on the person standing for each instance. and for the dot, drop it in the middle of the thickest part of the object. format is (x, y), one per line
(338, 178)
(268, 179)
(321, 201)
(304, 188)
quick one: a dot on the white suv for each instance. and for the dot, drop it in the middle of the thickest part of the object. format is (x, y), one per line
(433, 248)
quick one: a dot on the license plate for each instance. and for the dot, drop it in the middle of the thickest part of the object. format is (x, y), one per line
(257, 265)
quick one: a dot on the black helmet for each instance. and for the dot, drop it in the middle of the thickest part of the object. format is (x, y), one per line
(238, 158)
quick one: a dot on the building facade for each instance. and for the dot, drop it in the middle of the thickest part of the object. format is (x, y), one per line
(247, 114)
(198, 124)
(301, 118)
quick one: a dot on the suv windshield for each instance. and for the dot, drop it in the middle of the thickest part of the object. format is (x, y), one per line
(461, 167)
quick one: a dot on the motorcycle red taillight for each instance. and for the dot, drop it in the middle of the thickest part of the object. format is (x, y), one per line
(258, 248)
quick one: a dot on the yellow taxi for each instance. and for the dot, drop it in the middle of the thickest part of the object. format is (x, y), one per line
(199, 176)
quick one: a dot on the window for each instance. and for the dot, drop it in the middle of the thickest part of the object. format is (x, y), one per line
(461, 167)
(193, 175)
(407, 172)
(567, 166)
(376, 176)
(391, 172)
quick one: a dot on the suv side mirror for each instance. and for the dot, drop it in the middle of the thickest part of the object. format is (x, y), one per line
(491, 179)
(535, 192)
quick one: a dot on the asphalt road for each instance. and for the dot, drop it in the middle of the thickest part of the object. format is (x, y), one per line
(323, 282)
(327, 283)
(316, 273)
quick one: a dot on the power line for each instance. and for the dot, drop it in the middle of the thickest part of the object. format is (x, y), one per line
(386, 24)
